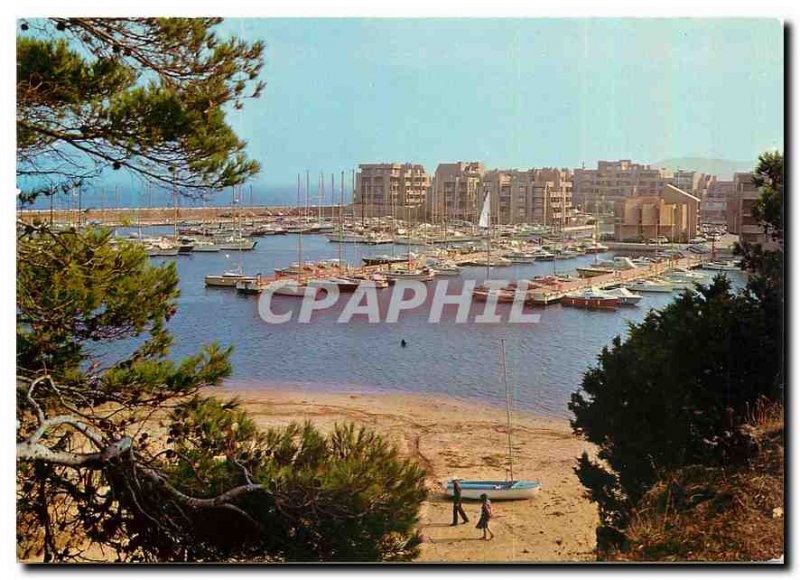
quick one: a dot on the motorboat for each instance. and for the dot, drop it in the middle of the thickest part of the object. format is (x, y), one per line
(287, 287)
(723, 265)
(205, 246)
(346, 238)
(378, 281)
(378, 239)
(595, 248)
(343, 284)
(227, 279)
(625, 296)
(682, 278)
(505, 295)
(236, 243)
(657, 285)
(447, 269)
(544, 256)
(592, 299)
(520, 257)
(249, 286)
(383, 259)
(423, 275)
(161, 248)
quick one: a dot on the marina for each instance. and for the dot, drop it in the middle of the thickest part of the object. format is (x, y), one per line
(440, 359)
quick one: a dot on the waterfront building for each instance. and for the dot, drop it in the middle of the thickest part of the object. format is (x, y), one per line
(740, 211)
(672, 214)
(537, 195)
(455, 192)
(390, 189)
(614, 181)
(714, 206)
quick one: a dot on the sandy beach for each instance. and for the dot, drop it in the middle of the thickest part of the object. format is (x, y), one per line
(455, 438)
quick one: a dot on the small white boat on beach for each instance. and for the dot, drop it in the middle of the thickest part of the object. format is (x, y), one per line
(495, 490)
(511, 488)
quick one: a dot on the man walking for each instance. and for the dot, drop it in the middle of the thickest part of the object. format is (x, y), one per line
(457, 507)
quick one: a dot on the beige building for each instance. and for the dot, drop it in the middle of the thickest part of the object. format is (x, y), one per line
(542, 196)
(740, 211)
(390, 189)
(455, 192)
(714, 206)
(614, 181)
(693, 182)
(672, 214)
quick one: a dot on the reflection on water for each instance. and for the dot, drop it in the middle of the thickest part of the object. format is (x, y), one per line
(545, 360)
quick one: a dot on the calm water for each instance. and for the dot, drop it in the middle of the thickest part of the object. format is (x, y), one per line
(545, 360)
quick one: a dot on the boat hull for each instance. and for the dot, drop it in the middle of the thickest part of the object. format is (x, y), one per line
(592, 272)
(591, 303)
(495, 490)
(226, 281)
(657, 288)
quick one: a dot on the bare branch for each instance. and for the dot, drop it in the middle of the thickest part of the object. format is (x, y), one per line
(27, 451)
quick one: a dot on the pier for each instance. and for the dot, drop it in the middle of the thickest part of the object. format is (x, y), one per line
(543, 297)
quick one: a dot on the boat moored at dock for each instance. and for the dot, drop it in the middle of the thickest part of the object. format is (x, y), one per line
(625, 296)
(657, 285)
(592, 299)
(227, 279)
(723, 266)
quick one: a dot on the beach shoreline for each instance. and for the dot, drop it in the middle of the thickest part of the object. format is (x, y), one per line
(450, 437)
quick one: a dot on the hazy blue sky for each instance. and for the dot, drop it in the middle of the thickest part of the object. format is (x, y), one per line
(512, 93)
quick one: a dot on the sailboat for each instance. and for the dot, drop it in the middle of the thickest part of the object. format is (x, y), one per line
(497, 489)
(230, 278)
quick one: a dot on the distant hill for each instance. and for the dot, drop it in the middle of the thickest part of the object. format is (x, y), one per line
(722, 168)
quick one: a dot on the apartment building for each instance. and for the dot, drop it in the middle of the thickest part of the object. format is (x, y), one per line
(614, 181)
(455, 191)
(672, 214)
(740, 211)
(714, 206)
(542, 196)
(390, 189)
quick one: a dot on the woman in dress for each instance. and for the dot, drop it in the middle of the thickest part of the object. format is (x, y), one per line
(486, 515)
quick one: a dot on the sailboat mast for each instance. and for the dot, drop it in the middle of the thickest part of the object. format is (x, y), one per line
(300, 229)
(508, 407)
(175, 211)
(341, 215)
(321, 193)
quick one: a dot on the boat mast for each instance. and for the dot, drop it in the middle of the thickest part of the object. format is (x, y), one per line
(175, 210)
(489, 249)
(341, 214)
(321, 196)
(300, 230)
(508, 407)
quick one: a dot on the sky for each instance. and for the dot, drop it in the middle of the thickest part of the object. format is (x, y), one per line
(510, 93)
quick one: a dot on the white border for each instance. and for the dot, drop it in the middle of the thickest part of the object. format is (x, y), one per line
(341, 8)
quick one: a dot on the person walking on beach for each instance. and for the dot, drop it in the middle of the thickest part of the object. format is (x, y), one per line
(458, 509)
(486, 515)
